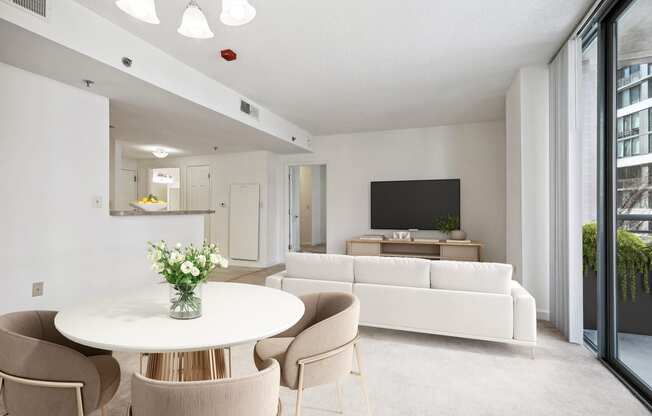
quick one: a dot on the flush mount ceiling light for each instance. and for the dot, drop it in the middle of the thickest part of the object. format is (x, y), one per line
(237, 12)
(144, 10)
(194, 24)
(160, 153)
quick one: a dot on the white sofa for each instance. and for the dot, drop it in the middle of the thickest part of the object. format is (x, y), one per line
(460, 299)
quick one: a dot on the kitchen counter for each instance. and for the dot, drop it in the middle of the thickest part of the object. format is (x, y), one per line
(141, 213)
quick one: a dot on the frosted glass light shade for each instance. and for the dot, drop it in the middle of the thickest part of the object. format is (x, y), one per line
(194, 23)
(160, 153)
(144, 10)
(237, 12)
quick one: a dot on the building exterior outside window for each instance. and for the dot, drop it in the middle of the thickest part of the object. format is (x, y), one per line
(634, 143)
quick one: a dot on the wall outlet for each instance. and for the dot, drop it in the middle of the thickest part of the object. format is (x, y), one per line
(37, 289)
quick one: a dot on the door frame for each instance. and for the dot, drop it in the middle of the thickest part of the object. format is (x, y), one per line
(286, 201)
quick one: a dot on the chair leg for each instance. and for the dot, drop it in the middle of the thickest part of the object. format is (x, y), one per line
(299, 392)
(230, 373)
(362, 377)
(80, 406)
(104, 412)
(338, 387)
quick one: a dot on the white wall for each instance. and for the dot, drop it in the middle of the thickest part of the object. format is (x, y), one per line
(51, 230)
(227, 169)
(513, 249)
(528, 176)
(475, 153)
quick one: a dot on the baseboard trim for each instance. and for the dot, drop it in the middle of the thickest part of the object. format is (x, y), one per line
(543, 315)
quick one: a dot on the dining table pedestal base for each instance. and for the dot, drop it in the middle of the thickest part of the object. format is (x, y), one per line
(186, 366)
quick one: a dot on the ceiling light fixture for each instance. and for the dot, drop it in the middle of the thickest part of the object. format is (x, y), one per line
(144, 10)
(237, 12)
(160, 153)
(194, 24)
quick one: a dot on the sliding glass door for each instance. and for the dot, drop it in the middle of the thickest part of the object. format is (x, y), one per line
(631, 89)
(624, 230)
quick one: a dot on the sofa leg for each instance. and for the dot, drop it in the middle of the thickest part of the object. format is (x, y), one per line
(299, 392)
(338, 387)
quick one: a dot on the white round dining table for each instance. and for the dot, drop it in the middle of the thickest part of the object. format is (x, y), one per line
(138, 321)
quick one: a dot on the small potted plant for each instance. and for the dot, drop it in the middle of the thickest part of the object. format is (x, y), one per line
(185, 269)
(450, 225)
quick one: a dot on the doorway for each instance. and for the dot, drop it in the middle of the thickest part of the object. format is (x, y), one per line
(307, 212)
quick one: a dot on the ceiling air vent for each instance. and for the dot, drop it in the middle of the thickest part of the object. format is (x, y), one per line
(38, 7)
(249, 109)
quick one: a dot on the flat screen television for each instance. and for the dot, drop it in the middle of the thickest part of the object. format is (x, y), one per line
(402, 205)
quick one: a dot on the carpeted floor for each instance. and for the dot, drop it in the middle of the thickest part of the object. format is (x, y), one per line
(417, 374)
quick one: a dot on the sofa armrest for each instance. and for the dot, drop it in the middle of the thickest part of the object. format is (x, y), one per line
(525, 314)
(276, 280)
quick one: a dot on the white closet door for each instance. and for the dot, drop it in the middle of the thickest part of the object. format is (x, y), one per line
(199, 193)
(244, 221)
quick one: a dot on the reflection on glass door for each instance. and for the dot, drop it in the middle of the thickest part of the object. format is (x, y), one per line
(632, 312)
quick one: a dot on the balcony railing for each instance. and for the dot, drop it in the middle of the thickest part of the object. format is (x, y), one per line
(630, 79)
(627, 133)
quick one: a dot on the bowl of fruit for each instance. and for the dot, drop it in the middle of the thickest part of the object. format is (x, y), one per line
(150, 203)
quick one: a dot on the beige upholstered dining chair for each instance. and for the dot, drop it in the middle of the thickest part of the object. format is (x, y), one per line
(254, 395)
(44, 373)
(319, 348)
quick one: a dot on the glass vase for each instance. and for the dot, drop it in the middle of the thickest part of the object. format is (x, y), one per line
(185, 301)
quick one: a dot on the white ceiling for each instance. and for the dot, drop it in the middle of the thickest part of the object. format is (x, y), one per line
(342, 66)
(143, 115)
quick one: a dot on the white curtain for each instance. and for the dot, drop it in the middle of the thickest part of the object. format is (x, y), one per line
(565, 196)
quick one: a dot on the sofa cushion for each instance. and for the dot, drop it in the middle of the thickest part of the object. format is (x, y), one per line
(334, 267)
(300, 287)
(392, 271)
(471, 276)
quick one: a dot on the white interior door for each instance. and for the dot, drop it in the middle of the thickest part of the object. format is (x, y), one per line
(244, 221)
(295, 208)
(199, 193)
(128, 189)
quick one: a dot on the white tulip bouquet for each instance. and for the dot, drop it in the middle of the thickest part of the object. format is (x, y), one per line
(185, 269)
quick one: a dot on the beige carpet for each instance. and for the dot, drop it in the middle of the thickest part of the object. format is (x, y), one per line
(416, 374)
